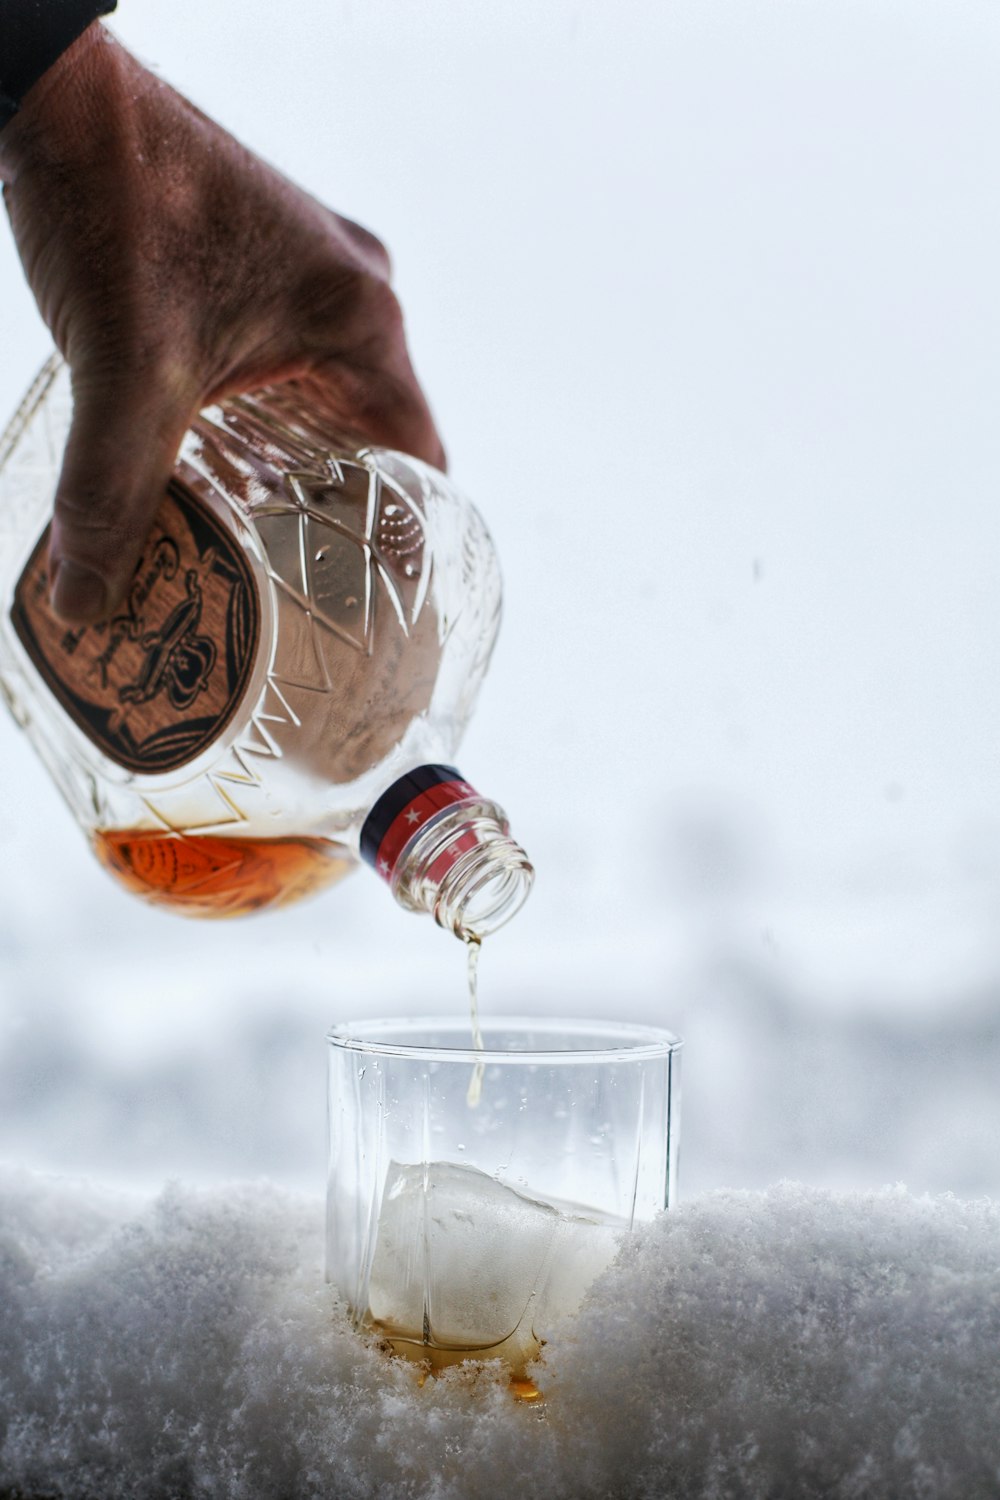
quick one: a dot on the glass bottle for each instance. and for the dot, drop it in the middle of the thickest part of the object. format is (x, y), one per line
(282, 693)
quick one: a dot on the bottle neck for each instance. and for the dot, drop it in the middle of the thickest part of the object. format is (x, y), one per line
(446, 850)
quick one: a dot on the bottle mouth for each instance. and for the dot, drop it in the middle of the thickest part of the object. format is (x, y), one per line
(484, 888)
(466, 870)
(446, 850)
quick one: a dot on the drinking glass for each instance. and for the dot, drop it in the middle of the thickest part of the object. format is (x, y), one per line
(471, 1230)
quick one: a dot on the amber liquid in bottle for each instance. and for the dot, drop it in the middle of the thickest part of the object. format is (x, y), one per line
(204, 876)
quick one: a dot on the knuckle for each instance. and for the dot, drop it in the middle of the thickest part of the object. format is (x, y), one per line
(370, 247)
(359, 306)
(385, 311)
(378, 401)
(88, 509)
(380, 322)
(97, 524)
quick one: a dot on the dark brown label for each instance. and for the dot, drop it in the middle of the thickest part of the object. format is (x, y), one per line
(156, 684)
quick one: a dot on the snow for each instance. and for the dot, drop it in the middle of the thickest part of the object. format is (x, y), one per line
(785, 1341)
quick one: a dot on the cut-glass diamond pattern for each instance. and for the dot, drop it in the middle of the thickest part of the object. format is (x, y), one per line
(343, 546)
(357, 537)
(195, 808)
(340, 582)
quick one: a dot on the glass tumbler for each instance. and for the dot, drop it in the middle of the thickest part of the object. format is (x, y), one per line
(471, 1231)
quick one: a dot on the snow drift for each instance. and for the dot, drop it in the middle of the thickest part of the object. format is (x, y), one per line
(789, 1342)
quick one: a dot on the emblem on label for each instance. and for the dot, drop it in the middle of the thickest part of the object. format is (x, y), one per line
(156, 684)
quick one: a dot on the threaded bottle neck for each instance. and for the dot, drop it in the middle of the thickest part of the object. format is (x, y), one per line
(446, 850)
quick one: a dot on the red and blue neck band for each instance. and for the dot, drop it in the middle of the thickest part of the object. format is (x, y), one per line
(405, 809)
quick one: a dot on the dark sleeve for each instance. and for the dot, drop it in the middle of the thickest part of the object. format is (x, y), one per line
(33, 34)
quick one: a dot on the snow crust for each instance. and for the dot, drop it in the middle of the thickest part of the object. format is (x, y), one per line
(787, 1342)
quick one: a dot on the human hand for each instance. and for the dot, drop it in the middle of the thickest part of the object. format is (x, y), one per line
(174, 267)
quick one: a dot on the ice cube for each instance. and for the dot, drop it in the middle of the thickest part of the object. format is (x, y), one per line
(585, 1243)
(462, 1262)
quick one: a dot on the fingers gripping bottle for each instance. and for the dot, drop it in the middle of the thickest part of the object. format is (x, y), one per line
(282, 693)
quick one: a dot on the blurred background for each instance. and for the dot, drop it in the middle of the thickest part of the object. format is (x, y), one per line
(705, 298)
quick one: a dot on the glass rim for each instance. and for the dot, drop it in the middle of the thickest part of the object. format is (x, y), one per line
(635, 1042)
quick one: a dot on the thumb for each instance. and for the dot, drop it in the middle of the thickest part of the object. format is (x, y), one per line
(121, 448)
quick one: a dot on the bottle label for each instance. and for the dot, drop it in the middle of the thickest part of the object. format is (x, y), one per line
(405, 810)
(156, 684)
